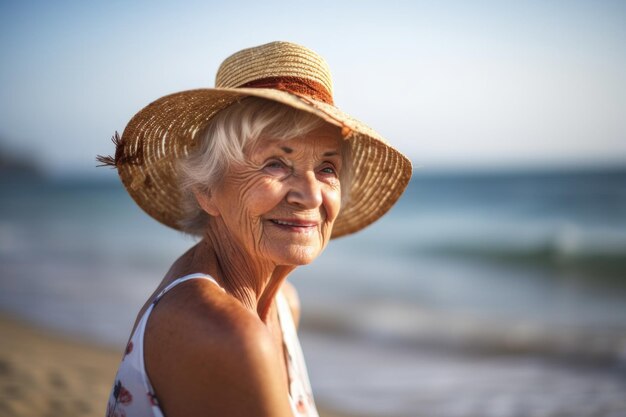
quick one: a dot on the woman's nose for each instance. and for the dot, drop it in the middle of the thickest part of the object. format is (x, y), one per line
(305, 191)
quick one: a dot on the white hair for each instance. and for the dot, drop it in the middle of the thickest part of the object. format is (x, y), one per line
(222, 143)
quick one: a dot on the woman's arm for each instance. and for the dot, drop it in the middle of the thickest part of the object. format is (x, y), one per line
(213, 358)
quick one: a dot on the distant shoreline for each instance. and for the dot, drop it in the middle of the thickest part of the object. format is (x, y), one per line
(30, 169)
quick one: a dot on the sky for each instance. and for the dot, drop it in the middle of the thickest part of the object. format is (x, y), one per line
(452, 84)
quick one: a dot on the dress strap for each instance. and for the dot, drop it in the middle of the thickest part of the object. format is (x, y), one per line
(183, 279)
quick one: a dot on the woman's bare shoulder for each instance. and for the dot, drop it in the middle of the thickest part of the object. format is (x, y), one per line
(205, 353)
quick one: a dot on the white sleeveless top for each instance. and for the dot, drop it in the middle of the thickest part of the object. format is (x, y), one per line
(132, 394)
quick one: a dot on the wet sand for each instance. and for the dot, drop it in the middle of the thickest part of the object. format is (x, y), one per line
(45, 374)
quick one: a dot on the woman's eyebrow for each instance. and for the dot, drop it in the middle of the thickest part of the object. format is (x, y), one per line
(288, 150)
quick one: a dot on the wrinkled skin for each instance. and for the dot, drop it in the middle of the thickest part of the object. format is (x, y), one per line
(274, 212)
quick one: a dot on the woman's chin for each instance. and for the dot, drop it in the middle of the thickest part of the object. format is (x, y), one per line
(297, 255)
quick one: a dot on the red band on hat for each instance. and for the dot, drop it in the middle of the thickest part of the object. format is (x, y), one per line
(296, 85)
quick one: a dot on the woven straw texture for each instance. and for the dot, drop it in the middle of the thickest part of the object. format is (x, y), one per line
(168, 129)
(278, 59)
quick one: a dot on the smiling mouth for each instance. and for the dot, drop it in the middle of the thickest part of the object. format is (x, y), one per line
(295, 225)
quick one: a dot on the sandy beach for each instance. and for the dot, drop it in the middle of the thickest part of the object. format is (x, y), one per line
(45, 374)
(42, 374)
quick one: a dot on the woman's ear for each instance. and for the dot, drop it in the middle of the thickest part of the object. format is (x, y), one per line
(205, 201)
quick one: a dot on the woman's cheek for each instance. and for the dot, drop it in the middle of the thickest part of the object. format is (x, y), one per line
(332, 203)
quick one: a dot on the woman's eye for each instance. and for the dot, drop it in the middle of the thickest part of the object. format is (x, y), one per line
(275, 167)
(329, 170)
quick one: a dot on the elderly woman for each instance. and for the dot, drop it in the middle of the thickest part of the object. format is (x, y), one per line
(265, 171)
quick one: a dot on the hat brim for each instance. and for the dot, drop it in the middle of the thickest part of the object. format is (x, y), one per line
(167, 129)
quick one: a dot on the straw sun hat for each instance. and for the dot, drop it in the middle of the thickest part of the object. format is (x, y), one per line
(167, 129)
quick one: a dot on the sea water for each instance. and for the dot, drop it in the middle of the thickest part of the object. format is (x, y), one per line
(491, 294)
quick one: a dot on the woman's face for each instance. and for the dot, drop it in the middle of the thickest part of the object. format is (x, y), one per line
(280, 205)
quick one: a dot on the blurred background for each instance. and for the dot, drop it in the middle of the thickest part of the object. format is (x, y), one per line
(495, 287)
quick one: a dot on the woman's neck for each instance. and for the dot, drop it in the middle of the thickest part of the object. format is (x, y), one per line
(253, 282)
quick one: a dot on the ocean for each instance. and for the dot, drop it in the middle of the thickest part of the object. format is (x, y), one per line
(479, 294)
